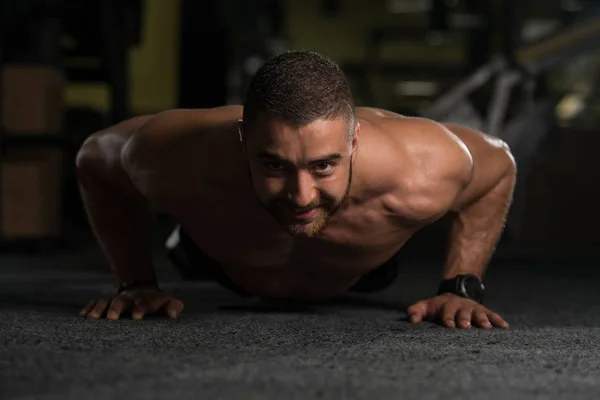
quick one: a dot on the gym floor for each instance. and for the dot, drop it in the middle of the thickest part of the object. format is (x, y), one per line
(355, 347)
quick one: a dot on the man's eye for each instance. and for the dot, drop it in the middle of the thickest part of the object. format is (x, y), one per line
(274, 166)
(324, 167)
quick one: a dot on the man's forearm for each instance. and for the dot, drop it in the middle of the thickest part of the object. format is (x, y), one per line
(121, 227)
(476, 230)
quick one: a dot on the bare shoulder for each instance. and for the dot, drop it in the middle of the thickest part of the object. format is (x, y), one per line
(437, 165)
(429, 147)
(170, 148)
(432, 145)
(421, 139)
(174, 128)
(372, 114)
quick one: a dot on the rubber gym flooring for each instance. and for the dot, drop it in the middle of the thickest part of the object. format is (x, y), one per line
(355, 347)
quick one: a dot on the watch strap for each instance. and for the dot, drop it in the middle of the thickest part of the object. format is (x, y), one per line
(468, 286)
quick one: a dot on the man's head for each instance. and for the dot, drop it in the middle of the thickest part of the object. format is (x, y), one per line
(300, 135)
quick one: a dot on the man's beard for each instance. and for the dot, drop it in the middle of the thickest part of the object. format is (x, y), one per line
(325, 211)
(326, 207)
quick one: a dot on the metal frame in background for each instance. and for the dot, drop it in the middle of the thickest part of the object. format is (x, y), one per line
(525, 133)
(451, 100)
(530, 60)
(561, 47)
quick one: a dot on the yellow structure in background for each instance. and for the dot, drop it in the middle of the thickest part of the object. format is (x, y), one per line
(345, 37)
(153, 68)
(154, 64)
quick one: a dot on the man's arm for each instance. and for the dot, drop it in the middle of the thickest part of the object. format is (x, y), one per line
(117, 210)
(124, 173)
(480, 209)
(138, 166)
(472, 176)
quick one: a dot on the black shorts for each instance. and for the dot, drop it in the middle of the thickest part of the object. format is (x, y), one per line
(193, 264)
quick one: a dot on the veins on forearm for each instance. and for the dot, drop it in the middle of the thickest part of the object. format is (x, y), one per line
(476, 229)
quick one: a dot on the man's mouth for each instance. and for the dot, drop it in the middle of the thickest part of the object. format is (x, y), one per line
(305, 214)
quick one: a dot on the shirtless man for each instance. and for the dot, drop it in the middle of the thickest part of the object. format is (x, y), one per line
(297, 195)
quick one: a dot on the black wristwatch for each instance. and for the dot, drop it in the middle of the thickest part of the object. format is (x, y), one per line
(468, 286)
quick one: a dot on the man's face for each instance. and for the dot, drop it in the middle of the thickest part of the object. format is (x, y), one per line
(301, 175)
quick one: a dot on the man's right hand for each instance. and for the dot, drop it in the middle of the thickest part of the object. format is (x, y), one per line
(138, 302)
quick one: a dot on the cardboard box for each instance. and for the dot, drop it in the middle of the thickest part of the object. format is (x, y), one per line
(31, 185)
(33, 99)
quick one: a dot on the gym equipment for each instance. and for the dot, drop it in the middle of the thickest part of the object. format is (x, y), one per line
(30, 46)
(512, 111)
(529, 61)
(416, 58)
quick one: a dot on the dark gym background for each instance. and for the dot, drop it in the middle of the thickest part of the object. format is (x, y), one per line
(525, 71)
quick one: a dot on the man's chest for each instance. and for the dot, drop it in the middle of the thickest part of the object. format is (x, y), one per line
(244, 235)
(258, 255)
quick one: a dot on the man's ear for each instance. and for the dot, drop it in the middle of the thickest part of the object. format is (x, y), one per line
(241, 129)
(355, 138)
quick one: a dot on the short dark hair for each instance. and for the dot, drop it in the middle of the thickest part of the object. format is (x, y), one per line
(300, 87)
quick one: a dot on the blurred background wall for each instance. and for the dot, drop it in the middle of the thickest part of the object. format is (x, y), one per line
(153, 65)
(522, 70)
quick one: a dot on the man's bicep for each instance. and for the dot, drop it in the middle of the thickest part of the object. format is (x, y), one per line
(492, 161)
(442, 167)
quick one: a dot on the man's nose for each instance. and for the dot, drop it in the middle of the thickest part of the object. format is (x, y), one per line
(303, 191)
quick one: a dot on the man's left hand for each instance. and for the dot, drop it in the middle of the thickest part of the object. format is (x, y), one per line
(455, 311)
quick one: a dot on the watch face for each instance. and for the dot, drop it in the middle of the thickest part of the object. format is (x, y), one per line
(472, 286)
